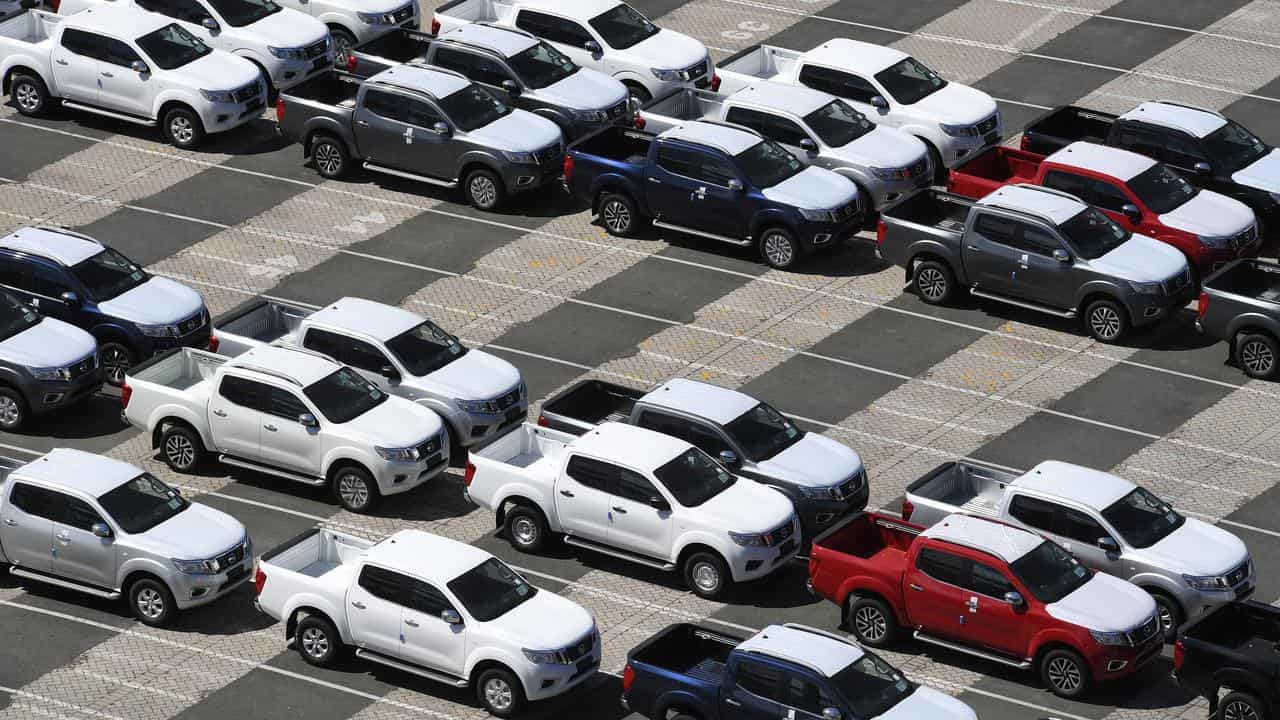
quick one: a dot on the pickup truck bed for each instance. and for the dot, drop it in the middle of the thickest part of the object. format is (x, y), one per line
(1060, 127)
(31, 27)
(758, 62)
(318, 554)
(681, 105)
(330, 88)
(957, 487)
(687, 650)
(397, 47)
(476, 11)
(529, 448)
(871, 537)
(181, 369)
(616, 144)
(986, 172)
(1251, 279)
(588, 404)
(932, 209)
(259, 322)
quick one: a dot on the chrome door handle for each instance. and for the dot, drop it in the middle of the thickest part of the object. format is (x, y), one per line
(362, 123)
(655, 181)
(731, 701)
(411, 623)
(567, 493)
(975, 248)
(620, 511)
(700, 194)
(916, 587)
(219, 413)
(107, 74)
(64, 538)
(11, 522)
(62, 62)
(357, 605)
(271, 428)
(973, 604)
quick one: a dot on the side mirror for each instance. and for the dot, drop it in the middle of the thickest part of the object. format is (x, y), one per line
(1109, 545)
(592, 47)
(71, 299)
(808, 145)
(101, 530)
(1062, 256)
(440, 128)
(139, 67)
(390, 373)
(728, 458)
(879, 102)
(510, 87)
(659, 503)
(831, 714)
(451, 616)
(308, 420)
(210, 24)
(735, 185)
(1203, 168)
(1132, 212)
(1014, 598)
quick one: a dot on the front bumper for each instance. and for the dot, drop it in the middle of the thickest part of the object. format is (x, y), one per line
(1147, 309)
(754, 562)
(815, 236)
(45, 395)
(546, 681)
(198, 338)
(1113, 663)
(287, 73)
(1212, 260)
(520, 178)
(818, 515)
(1197, 603)
(884, 192)
(479, 428)
(394, 478)
(195, 590)
(955, 150)
(220, 117)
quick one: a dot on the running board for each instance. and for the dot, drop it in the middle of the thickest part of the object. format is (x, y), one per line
(410, 176)
(1018, 664)
(68, 584)
(423, 672)
(620, 554)
(107, 113)
(1066, 314)
(699, 233)
(287, 475)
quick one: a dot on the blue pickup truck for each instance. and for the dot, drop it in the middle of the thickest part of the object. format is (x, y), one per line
(784, 671)
(714, 181)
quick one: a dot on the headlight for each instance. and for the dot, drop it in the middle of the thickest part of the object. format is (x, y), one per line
(196, 567)
(816, 215)
(1109, 638)
(542, 657)
(959, 130)
(218, 96)
(63, 374)
(890, 173)
(1215, 243)
(748, 539)
(520, 158)
(407, 454)
(1206, 582)
(665, 75)
(288, 53)
(814, 493)
(377, 18)
(589, 115)
(158, 331)
(1147, 288)
(1275, 197)
(477, 406)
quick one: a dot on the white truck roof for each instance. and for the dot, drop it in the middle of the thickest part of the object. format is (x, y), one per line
(1058, 208)
(635, 447)
(119, 19)
(816, 650)
(299, 365)
(504, 41)
(92, 474)
(432, 81)
(375, 319)
(577, 9)
(797, 99)
(1177, 117)
(61, 246)
(1119, 164)
(1004, 541)
(1074, 483)
(843, 52)
(437, 556)
(717, 404)
(731, 140)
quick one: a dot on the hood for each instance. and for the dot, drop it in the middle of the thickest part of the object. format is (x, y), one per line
(218, 70)
(815, 461)
(883, 147)
(926, 702)
(1142, 259)
(158, 301)
(1198, 548)
(956, 104)
(667, 50)
(1105, 604)
(1210, 214)
(395, 423)
(1263, 174)
(746, 507)
(813, 189)
(546, 621)
(48, 343)
(285, 29)
(476, 375)
(585, 90)
(517, 131)
(197, 533)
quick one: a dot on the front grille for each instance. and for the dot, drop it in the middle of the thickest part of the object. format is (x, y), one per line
(846, 489)
(1145, 631)
(316, 50)
(618, 111)
(579, 649)
(83, 366)
(1245, 238)
(845, 212)
(232, 557)
(1177, 282)
(506, 401)
(191, 324)
(1238, 575)
(549, 155)
(247, 93)
(989, 124)
(430, 447)
(697, 71)
(779, 535)
(918, 169)
(402, 14)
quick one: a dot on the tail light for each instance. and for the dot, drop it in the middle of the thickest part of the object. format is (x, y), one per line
(715, 83)
(259, 580)
(352, 63)
(880, 231)
(126, 392)
(1203, 305)
(1026, 142)
(908, 509)
(279, 110)
(542, 421)
(469, 475)
(1179, 654)
(214, 343)
(52, 5)
(639, 122)
(628, 678)
(568, 167)
(435, 25)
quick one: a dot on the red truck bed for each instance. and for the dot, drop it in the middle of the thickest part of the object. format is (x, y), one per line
(988, 171)
(869, 548)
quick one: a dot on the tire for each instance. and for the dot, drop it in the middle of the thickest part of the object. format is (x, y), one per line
(330, 156)
(30, 95)
(1171, 616)
(618, 215)
(151, 602)
(934, 281)
(317, 641)
(343, 41)
(706, 575)
(500, 692)
(182, 448)
(683, 716)
(117, 358)
(526, 528)
(779, 248)
(1065, 673)
(1258, 355)
(940, 171)
(871, 621)
(639, 92)
(182, 128)
(355, 488)
(484, 190)
(13, 409)
(1241, 706)
(1106, 321)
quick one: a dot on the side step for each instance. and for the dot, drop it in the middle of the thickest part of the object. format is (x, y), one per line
(621, 554)
(267, 470)
(1026, 305)
(722, 238)
(68, 584)
(1017, 664)
(107, 113)
(422, 672)
(410, 176)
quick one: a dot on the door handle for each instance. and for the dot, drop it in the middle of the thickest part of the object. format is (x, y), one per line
(700, 194)
(220, 413)
(64, 538)
(11, 522)
(973, 603)
(653, 180)
(975, 248)
(107, 74)
(411, 623)
(917, 588)
(567, 493)
(271, 428)
(731, 701)
(357, 605)
(362, 123)
(620, 511)
(62, 62)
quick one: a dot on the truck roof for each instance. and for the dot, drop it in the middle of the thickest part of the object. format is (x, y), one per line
(1197, 121)
(409, 549)
(731, 140)
(578, 8)
(1119, 164)
(1004, 541)
(843, 52)
(92, 474)
(62, 246)
(642, 449)
(717, 404)
(423, 78)
(301, 366)
(1086, 486)
(119, 19)
(797, 99)
(375, 319)
(504, 41)
(812, 649)
(1053, 206)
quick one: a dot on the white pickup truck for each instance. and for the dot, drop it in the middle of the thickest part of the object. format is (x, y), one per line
(429, 606)
(130, 65)
(1112, 525)
(480, 396)
(889, 86)
(637, 495)
(289, 413)
(604, 35)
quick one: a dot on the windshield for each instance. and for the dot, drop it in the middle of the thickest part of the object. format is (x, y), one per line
(623, 27)
(1162, 189)
(15, 316)
(694, 478)
(1142, 519)
(767, 164)
(425, 349)
(838, 124)
(763, 432)
(1093, 234)
(473, 107)
(1050, 573)
(542, 65)
(491, 590)
(172, 47)
(1232, 147)
(910, 81)
(239, 13)
(344, 395)
(871, 686)
(108, 274)
(142, 503)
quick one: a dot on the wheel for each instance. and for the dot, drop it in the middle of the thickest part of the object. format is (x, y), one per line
(1170, 615)
(355, 489)
(117, 358)
(1241, 706)
(618, 215)
(1256, 354)
(1064, 673)
(151, 602)
(872, 622)
(182, 448)
(1106, 320)
(317, 640)
(706, 574)
(940, 171)
(934, 281)
(343, 41)
(499, 692)
(330, 156)
(484, 189)
(639, 92)
(779, 248)
(526, 528)
(13, 409)
(182, 128)
(29, 94)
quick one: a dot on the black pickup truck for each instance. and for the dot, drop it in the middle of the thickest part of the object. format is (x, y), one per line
(1237, 650)
(1241, 304)
(1212, 151)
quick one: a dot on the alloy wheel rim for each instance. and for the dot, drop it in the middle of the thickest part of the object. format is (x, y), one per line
(353, 490)
(315, 642)
(706, 577)
(1166, 617)
(483, 191)
(179, 450)
(1238, 710)
(180, 129)
(150, 604)
(1257, 357)
(1064, 674)
(616, 216)
(524, 530)
(931, 283)
(870, 624)
(778, 249)
(342, 48)
(9, 411)
(498, 694)
(27, 97)
(116, 361)
(1105, 322)
(328, 158)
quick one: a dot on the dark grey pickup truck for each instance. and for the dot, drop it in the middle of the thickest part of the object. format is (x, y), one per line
(1038, 249)
(422, 123)
(1241, 304)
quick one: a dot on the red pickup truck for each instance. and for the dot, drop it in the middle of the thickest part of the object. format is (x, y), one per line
(988, 589)
(1142, 195)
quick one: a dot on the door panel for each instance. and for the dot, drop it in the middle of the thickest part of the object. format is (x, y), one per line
(1045, 279)
(285, 442)
(234, 419)
(380, 130)
(26, 527)
(428, 640)
(124, 89)
(374, 610)
(78, 553)
(76, 65)
(934, 597)
(989, 256)
(429, 152)
(584, 498)
(755, 693)
(637, 525)
(992, 622)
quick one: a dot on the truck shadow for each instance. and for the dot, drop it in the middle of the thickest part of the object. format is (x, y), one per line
(439, 499)
(853, 257)
(96, 416)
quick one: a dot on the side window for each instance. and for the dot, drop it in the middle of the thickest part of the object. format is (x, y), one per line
(1107, 196)
(285, 404)
(119, 53)
(385, 104)
(943, 566)
(986, 580)
(806, 695)
(665, 424)
(707, 440)
(1038, 240)
(456, 60)
(759, 680)
(423, 115)
(552, 29)
(245, 393)
(1079, 527)
(1033, 512)
(1140, 141)
(13, 275)
(678, 160)
(775, 128)
(385, 584)
(840, 84)
(78, 513)
(592, 473)
(997, 229)
(634, 486)
(323, 341)
(713, 169)
(1183, 152)
(35, 501)
(84, 43)
(361, 354)
(425, 598)
(48, 281)
(188, 10)
(1068, 183)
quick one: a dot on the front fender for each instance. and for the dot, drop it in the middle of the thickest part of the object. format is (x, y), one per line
(490, 653)
(1155, 581)
(556, 116)
(685, 538)
(334, 611)
(1101, 287)
(148, 565)
(187, 97)
(1054, 635)
(928, 133)
(479, 157)
(252, 55)
(859, 177)
(628, 74)
(768, 217)
(346, 453)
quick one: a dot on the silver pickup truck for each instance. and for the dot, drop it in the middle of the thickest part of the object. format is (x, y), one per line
(1112, 525)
